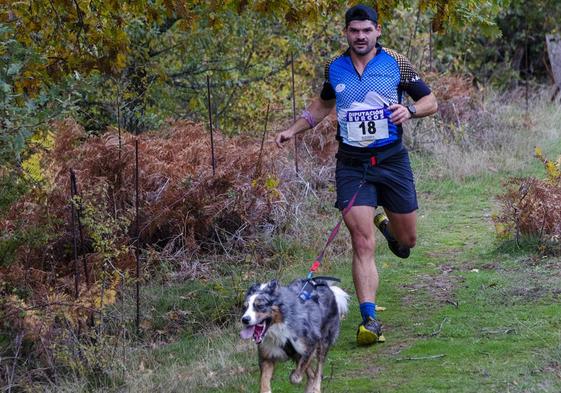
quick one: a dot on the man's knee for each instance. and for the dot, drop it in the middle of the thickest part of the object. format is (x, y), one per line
(408, 240)
(364, 245)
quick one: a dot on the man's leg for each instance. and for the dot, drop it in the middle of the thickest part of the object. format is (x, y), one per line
(403, 227)
(359, 220)
(396, 192)
(399, 229)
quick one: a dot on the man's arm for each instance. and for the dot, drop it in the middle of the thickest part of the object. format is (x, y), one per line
(318, 110)
(425, 106)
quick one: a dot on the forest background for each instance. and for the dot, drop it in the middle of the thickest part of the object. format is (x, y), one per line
(95, 95)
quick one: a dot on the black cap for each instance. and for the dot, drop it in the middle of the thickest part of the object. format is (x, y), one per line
(360, 12)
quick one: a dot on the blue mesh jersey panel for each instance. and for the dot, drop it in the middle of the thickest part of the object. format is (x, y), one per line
(362, 100)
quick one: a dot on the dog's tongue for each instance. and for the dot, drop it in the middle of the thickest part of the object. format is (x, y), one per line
(247, 332)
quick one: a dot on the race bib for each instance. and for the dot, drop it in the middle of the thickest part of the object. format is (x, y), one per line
(367, 125)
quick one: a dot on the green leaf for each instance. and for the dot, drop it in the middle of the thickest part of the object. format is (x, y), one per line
(5, 88)
(14, 69)
(30, 105)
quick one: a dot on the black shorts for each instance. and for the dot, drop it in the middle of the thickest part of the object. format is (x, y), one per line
(389, 184)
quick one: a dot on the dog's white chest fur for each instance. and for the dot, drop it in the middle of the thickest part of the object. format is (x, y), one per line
(275, 340)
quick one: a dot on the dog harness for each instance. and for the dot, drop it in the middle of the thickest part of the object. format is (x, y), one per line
(306, 293)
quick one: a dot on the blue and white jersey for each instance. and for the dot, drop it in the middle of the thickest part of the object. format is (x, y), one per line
(362, 100)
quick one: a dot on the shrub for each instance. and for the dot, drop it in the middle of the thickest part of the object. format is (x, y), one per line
(185, 210)
(530, 208)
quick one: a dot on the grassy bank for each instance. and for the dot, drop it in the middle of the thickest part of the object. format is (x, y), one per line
(465, 313)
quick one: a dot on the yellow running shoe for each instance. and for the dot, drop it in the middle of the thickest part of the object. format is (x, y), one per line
(369, 332)
(381, 222)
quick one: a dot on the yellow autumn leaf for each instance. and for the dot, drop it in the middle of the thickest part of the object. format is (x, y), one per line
(271, 183)
(193, 103)
(538, 152)
(32, 168)
(109, 297)
(501, 231)
(552, 170)
(44, 139)
(120, 61)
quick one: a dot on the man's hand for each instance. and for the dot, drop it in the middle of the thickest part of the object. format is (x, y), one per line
(318, 109)
(400, 114)
(425, 106)
(283, 136)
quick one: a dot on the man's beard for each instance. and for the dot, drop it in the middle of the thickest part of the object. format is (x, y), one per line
(365, 49)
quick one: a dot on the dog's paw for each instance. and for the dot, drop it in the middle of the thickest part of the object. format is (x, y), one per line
(314, 389)
(295, 377)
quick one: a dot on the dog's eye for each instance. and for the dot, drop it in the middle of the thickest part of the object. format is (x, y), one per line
(259, 306)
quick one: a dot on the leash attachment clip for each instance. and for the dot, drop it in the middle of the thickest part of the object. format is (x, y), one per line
(315, 266)
(306, 293)
(307, 289)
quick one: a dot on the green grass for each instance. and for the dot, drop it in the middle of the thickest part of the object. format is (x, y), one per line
(462, 315)
(465, 313)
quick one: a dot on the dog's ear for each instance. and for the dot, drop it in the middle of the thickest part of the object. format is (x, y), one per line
(254, 288)
(272, 286)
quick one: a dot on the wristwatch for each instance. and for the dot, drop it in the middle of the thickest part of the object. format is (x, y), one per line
(412, 110)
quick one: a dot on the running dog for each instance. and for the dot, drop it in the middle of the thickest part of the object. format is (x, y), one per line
(299, 322)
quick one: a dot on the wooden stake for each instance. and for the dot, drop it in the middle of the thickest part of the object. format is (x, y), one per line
(430, 47)
(527, 72)
(74, 237)
(74, 191)
(414, 35)
(119, 118)
(210, 126)
(294, 113)
(258, 166)
(137, 249)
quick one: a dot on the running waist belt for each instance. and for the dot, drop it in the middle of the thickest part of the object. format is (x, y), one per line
(372, 156)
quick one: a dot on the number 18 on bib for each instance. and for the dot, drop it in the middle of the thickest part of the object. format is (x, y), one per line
(367, 125)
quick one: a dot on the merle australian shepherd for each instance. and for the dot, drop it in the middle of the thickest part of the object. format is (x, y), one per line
(299, 322)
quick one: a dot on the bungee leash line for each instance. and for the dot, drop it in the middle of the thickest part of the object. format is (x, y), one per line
(305, 294)
(334, 232)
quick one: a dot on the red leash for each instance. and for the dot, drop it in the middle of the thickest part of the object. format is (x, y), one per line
(334, 232)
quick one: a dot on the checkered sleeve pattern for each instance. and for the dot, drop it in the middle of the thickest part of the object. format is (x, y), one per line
(327, 92)
(410, 81)
(326, 69)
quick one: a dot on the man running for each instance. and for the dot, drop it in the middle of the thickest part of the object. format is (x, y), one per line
(366, 84)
